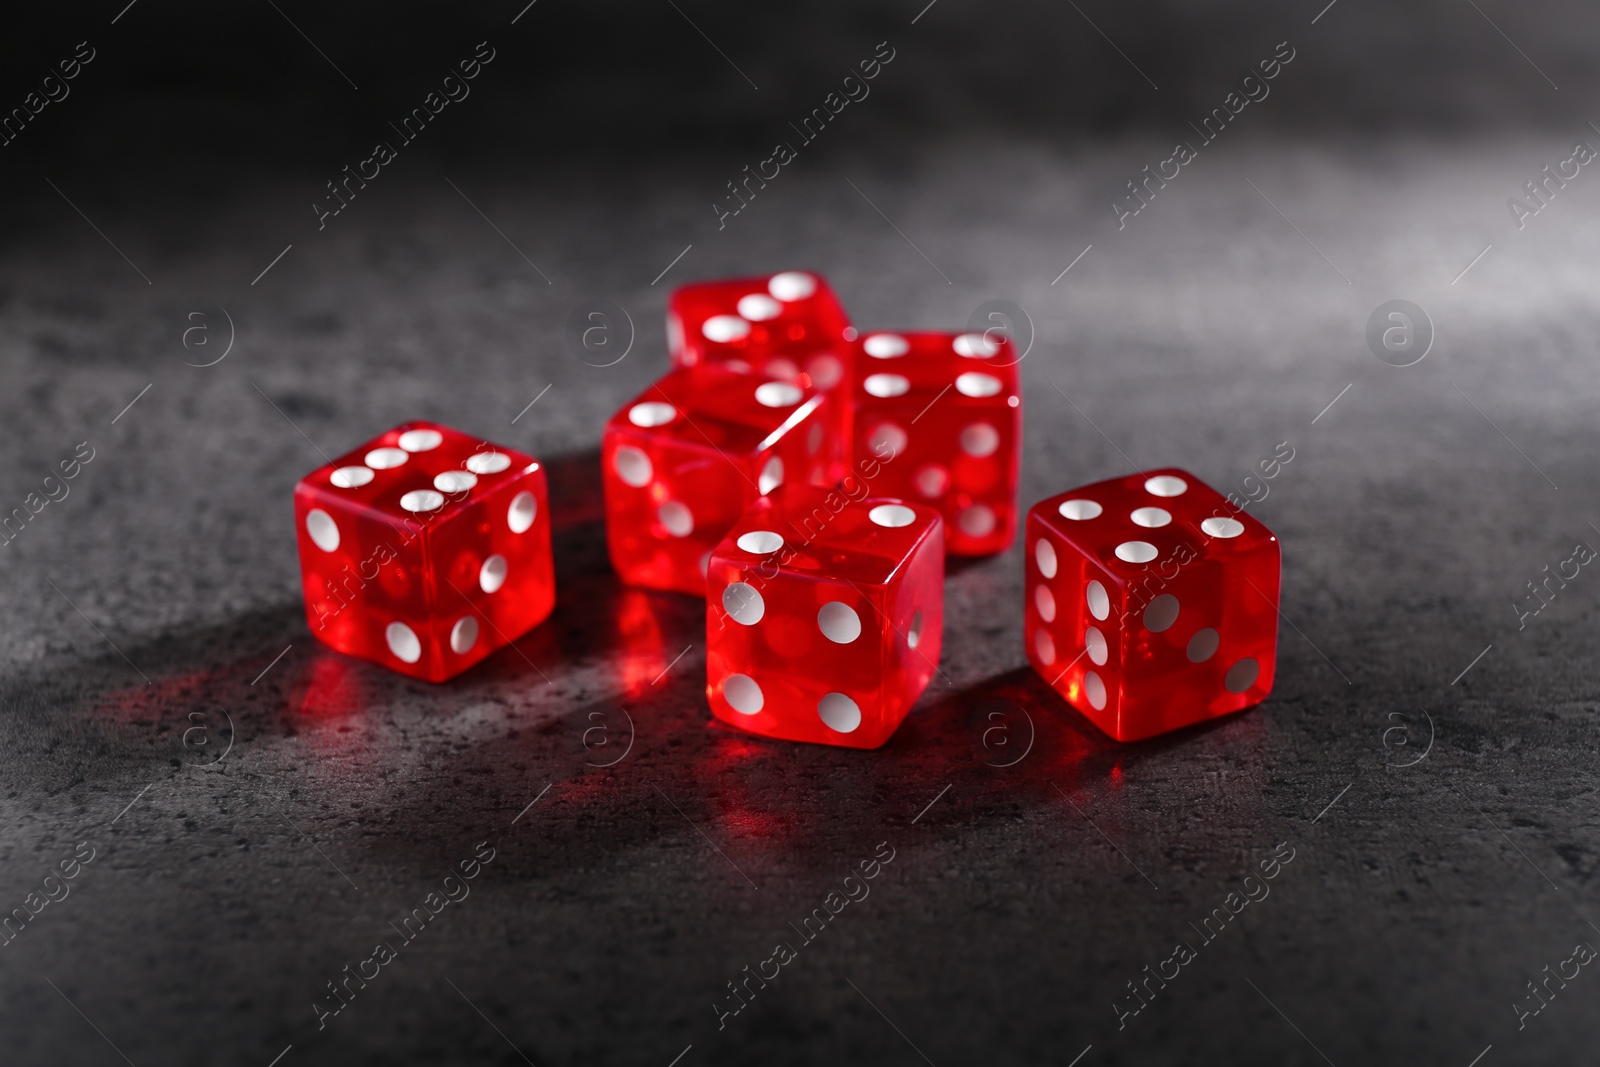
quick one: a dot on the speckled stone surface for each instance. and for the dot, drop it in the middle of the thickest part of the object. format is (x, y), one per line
(263, 812)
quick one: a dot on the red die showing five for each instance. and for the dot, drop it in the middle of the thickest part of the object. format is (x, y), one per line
(948, 409)
(683, 460)
(425, 549)
(1152, 603)
(824, 612)
(789, 326)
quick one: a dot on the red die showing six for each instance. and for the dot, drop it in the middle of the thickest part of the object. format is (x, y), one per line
(788, 326)
(683, 460)
(1152, 603)
(947, 408)
(824, 612)
(425, 549)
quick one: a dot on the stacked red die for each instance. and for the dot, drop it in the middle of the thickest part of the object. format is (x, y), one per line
(683, 460)
(425, 549)
(789, 326)
(948, 408)
(1152, 603)
(824, 614)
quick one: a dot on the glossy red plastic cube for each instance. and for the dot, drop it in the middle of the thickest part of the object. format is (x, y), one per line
(1152, 602)
(948, 409)
(824, 615)
(683, 459)
(788, 326)
(425, 549)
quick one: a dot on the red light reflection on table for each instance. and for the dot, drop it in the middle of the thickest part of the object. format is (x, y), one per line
(640, 650)
(745, 807)
(166, 697)
(331, 687)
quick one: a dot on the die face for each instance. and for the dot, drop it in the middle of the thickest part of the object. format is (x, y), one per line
(682, 461)
(425, 549)
(714, 408)
(915, 621)
(824, 616)
(1151, 602)
(780, 326)
(666, 507)
(948, 409)
(359, 578)
(495, 572)
(788, 327)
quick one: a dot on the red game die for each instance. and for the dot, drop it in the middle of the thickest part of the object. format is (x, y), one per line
(824, 613)
(682, 461)
(425, 549)
(789, 326)
(1152, 603)
(948, 409)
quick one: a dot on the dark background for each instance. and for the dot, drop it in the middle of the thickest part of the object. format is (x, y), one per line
(1441, 807)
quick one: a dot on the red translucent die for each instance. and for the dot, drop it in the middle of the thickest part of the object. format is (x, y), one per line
(683, 460)
(425, 549)
(789, 326)
(942, 413)
(1152, 603)
(824, 610)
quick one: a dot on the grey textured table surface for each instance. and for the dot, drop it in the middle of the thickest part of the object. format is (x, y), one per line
(263, 812)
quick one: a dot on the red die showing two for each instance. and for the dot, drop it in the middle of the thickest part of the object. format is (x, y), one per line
(425, 549)
(683, 460)
(824, 611)
(1152, 603)
(947, 408)
(789, 326)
